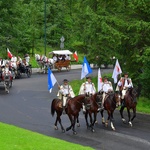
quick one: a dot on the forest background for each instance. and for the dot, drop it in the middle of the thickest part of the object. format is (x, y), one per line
(102, 29)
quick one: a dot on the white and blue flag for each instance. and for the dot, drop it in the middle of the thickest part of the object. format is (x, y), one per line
(86, 69)
(51, 80)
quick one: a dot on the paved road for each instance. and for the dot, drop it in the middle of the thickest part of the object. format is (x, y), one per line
(28, 106)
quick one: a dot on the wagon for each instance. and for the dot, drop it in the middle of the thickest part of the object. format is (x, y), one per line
(59, 64)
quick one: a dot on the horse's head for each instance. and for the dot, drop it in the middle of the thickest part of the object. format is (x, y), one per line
(37, 56)
(98, 96)
(117, 97)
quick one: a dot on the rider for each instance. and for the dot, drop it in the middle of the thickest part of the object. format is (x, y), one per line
(106, 89)
(124, 84)
(27, 58)
(13, 61)
(2, 65)
(65, 92)
(87, 88)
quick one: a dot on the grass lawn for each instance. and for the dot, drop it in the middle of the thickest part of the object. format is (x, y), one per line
(14, 138)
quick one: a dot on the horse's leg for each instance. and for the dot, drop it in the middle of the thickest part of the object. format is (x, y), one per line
(111, 121)
(121, 113)
(59, 119)
(134, 113)
(91, 121)
(129, 117)
(109, 115)
(70, 117)
(78, 124)
(73, 124)
(86, 119)
(103, 119)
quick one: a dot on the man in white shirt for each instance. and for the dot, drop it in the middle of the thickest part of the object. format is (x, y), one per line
(106, 88)
(13, 61)
(124, 83)
(87, 88)
(65, 91)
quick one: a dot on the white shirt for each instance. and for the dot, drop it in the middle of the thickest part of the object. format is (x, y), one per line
(126, 83)
(27, 59)
(13, 59)
(87, 88)
(107, 86)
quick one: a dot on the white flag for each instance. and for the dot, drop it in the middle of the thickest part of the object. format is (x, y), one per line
(100, 82)
(117, 71)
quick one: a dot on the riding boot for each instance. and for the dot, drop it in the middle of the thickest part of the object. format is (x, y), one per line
(64, 112)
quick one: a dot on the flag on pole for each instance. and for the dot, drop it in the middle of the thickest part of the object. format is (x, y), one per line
(86, 69)
(100, 82)
(75, 55)
(9, 54)
(51, 80)
(117, 71)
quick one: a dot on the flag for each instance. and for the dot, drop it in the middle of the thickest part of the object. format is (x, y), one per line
(9, 54)
(51, 80)
(75, 55)
(117, 71)
(86, 69)
(100, 82)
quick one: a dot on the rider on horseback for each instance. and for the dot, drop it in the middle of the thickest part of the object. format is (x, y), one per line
(87, 88)
(65, 92)
(106, 89)
(124, 84)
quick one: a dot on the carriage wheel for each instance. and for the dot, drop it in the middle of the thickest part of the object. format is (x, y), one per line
(29, 71)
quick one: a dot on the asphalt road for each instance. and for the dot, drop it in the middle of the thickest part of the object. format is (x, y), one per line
(28, 106)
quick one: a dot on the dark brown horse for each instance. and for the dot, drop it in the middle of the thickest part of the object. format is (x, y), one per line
(73, 108)
(129, 103)
(112, 100)
(56, 106)
(92, 108)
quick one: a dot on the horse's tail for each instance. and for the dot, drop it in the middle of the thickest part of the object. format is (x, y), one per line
(52, 107)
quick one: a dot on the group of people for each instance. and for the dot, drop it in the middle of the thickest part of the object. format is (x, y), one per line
(57, 58)
(13, 62)
(65, 90)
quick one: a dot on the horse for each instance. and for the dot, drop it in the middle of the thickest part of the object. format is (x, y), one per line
(112, 100)
(73, 108)
(92, 108)
(56, 106)
(39, 60)
(129, 103)
(48, 62)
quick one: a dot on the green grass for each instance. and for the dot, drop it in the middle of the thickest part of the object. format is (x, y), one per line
(14, 138)
(143, 105)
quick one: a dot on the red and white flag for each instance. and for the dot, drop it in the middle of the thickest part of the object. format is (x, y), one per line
(117, 71)
(9, 54)
(75, 55)
(100, 82)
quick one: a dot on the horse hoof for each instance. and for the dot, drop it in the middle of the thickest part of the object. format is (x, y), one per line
(63, 131)
(113, 129)
(123, 120)
(67, 129)
(130, 124)
(74, 132)
(106, 124)
(56, 128)
(93, 130)
(78, 125)
(96, 122)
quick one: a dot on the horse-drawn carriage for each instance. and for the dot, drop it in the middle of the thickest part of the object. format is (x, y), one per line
(6, 78)
(65, 60)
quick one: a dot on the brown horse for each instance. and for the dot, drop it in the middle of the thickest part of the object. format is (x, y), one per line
(92, 108)
(73, 108)
(129, 103)
(112, 100)
(56, 106)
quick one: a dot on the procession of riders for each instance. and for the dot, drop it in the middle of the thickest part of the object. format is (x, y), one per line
(65, 91)
(13, 64)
